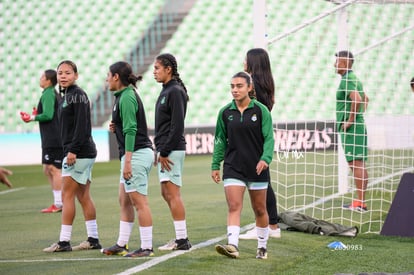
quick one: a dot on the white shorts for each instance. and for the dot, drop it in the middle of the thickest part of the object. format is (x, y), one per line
(175, 175)
(251, 185)
(80, 171)
(141, 163)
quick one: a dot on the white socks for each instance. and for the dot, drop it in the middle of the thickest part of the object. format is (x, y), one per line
(262, 236)
(57, 198)
(125, 229)
(65, 233)
(146, 237)
(92, 229)
(233, 232)
(180, 229)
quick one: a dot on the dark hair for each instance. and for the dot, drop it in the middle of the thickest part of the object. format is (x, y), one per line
(244, 75)
(412, 82)
(258, 65)
(51, 75)
(70, 63)
(348, 55)
(124, 70)
(249, 81)
(168, 60)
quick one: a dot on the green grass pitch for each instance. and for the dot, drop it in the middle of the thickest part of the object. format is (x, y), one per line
(24, 232)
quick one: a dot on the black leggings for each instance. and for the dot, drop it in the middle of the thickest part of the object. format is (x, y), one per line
(271, 205)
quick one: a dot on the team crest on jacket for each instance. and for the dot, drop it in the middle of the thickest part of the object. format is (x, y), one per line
(162, 100)
(65, 104)
(254, 117)
(230, 117)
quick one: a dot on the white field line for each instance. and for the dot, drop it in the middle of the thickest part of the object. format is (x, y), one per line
(62, 260)
(11, 190)
(155, 261)
(138, 268)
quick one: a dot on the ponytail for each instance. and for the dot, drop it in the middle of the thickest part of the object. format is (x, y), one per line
(124, 70)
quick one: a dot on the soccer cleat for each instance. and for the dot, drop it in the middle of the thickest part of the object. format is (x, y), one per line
(275, 233)
(168, 246)
(52, 209)
(228, 250)
(91, 243)
(356, 206)
(116, 250)
(252, 234)
(261, 253)
(140, 253)
(59, 247)
(181, 244)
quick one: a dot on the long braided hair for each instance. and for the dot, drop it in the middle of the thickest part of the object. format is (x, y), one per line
(168, 60)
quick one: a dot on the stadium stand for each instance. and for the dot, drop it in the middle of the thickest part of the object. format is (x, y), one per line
(210, 45)
(37, 35)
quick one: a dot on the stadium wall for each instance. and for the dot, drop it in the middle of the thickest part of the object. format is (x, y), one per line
(384, 132)
(25, 149)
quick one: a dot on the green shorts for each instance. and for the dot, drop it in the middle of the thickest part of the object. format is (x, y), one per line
(251, 185)
(80, 171)
(354, 142)
(175, 175)
(141, 164)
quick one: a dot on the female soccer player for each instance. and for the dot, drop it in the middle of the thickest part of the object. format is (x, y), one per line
(80, 153)
(52, 151)
(257, 64)
(244, 140)
(170, 111)
(135, 152)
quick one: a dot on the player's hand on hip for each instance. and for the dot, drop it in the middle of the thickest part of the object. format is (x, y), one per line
(165, 163)
(71, 159)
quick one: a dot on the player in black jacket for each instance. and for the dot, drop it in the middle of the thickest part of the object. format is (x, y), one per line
(170, 111)
(80, 153)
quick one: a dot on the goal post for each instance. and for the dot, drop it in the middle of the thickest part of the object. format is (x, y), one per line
(314, 179)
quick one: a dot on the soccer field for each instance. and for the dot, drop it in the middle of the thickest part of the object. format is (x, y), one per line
(24, 232)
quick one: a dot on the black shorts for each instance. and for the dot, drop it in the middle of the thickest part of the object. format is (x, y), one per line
(53, 156)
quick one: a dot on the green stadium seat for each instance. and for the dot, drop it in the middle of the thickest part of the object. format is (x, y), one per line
(210, 46)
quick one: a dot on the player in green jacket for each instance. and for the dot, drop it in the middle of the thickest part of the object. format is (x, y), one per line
(135, 152)
(52, 151)
(244, 140)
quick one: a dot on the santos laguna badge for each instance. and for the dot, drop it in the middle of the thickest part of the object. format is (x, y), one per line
(254, 117)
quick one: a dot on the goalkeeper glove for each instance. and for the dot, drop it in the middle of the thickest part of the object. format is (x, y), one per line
(34, 112)
(26, 117)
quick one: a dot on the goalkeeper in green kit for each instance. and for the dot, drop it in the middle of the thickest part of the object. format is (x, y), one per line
(351, 102)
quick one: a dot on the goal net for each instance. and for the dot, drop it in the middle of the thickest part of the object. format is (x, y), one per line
(309, 173)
